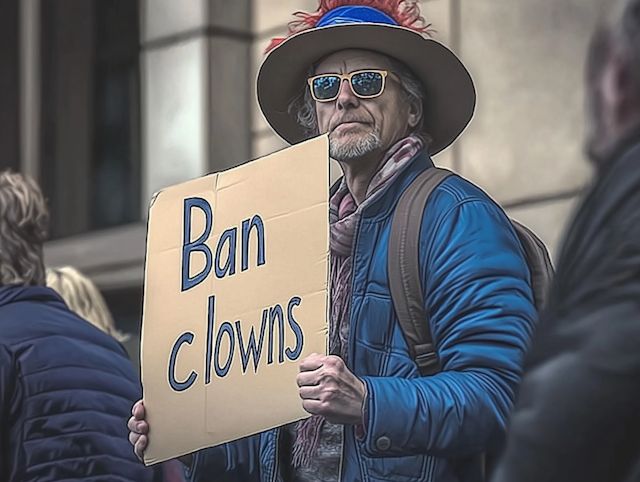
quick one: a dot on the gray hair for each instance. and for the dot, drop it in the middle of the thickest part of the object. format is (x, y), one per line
(621, 30)
(627, 32)
(24, 222)
(303, 109)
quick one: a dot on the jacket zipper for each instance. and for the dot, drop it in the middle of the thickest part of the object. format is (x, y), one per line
(277, 456)
(353, 275)
(341, 455)
(351, 330)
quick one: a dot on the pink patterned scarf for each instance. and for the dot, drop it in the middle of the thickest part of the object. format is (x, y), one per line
(344, 214)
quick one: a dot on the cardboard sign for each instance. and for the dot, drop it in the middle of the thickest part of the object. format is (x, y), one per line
(236, 294)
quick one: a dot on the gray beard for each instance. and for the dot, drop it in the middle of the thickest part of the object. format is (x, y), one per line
(347, 151)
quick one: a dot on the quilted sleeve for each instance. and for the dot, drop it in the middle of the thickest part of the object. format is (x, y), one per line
(480, 303)
(10, 394)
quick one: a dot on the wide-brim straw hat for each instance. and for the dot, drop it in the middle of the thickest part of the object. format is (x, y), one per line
(450, 92)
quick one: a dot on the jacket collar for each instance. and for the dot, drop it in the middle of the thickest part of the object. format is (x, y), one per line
(387, 198)
(627, 143)
(35, 294)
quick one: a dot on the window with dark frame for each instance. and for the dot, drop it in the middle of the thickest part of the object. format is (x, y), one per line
(90, 145)
(116, 163)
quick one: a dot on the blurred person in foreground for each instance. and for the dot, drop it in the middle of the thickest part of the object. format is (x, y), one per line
(578, 414)
(83, 297)
(66, 388)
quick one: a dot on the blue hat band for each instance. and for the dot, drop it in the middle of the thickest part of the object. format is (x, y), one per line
(354, 14)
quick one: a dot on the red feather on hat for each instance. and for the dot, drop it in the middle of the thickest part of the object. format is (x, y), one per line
(406, 13)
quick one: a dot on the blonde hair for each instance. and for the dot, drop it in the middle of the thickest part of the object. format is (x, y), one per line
(84, 298)
(24, 222)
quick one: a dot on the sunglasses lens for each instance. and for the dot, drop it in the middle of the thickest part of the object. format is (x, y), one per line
(326, 87)
(367, 83)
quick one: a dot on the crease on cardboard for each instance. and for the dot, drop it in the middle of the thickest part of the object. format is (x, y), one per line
(237, 182)
(241, 314)
(212, 289)
(296, 212)
(166, 250)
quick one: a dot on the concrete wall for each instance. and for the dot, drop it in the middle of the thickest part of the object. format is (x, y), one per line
(524, 146)
(196, 80)
(525, 143)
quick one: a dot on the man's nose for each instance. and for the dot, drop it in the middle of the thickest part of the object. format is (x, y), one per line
(346, 98)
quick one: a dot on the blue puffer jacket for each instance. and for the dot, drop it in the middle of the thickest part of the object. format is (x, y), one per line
(478, 295)
(66, 392)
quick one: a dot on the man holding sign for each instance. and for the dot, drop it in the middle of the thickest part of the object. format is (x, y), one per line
(388, 97)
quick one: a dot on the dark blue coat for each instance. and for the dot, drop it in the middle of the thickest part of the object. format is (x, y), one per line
(578, 411)
(66, 392)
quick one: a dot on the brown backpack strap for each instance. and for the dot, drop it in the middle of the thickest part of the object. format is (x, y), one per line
(404, 268)
(539, 262)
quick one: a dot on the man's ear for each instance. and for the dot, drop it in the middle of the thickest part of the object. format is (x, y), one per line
(619, 82)
(415, 112)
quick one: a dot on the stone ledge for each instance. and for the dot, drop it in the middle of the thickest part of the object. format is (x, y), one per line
(112, 258)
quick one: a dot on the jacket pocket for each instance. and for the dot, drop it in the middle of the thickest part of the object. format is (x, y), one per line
(418, 468)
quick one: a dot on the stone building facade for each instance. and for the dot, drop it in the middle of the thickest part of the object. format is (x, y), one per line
(106, 101)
